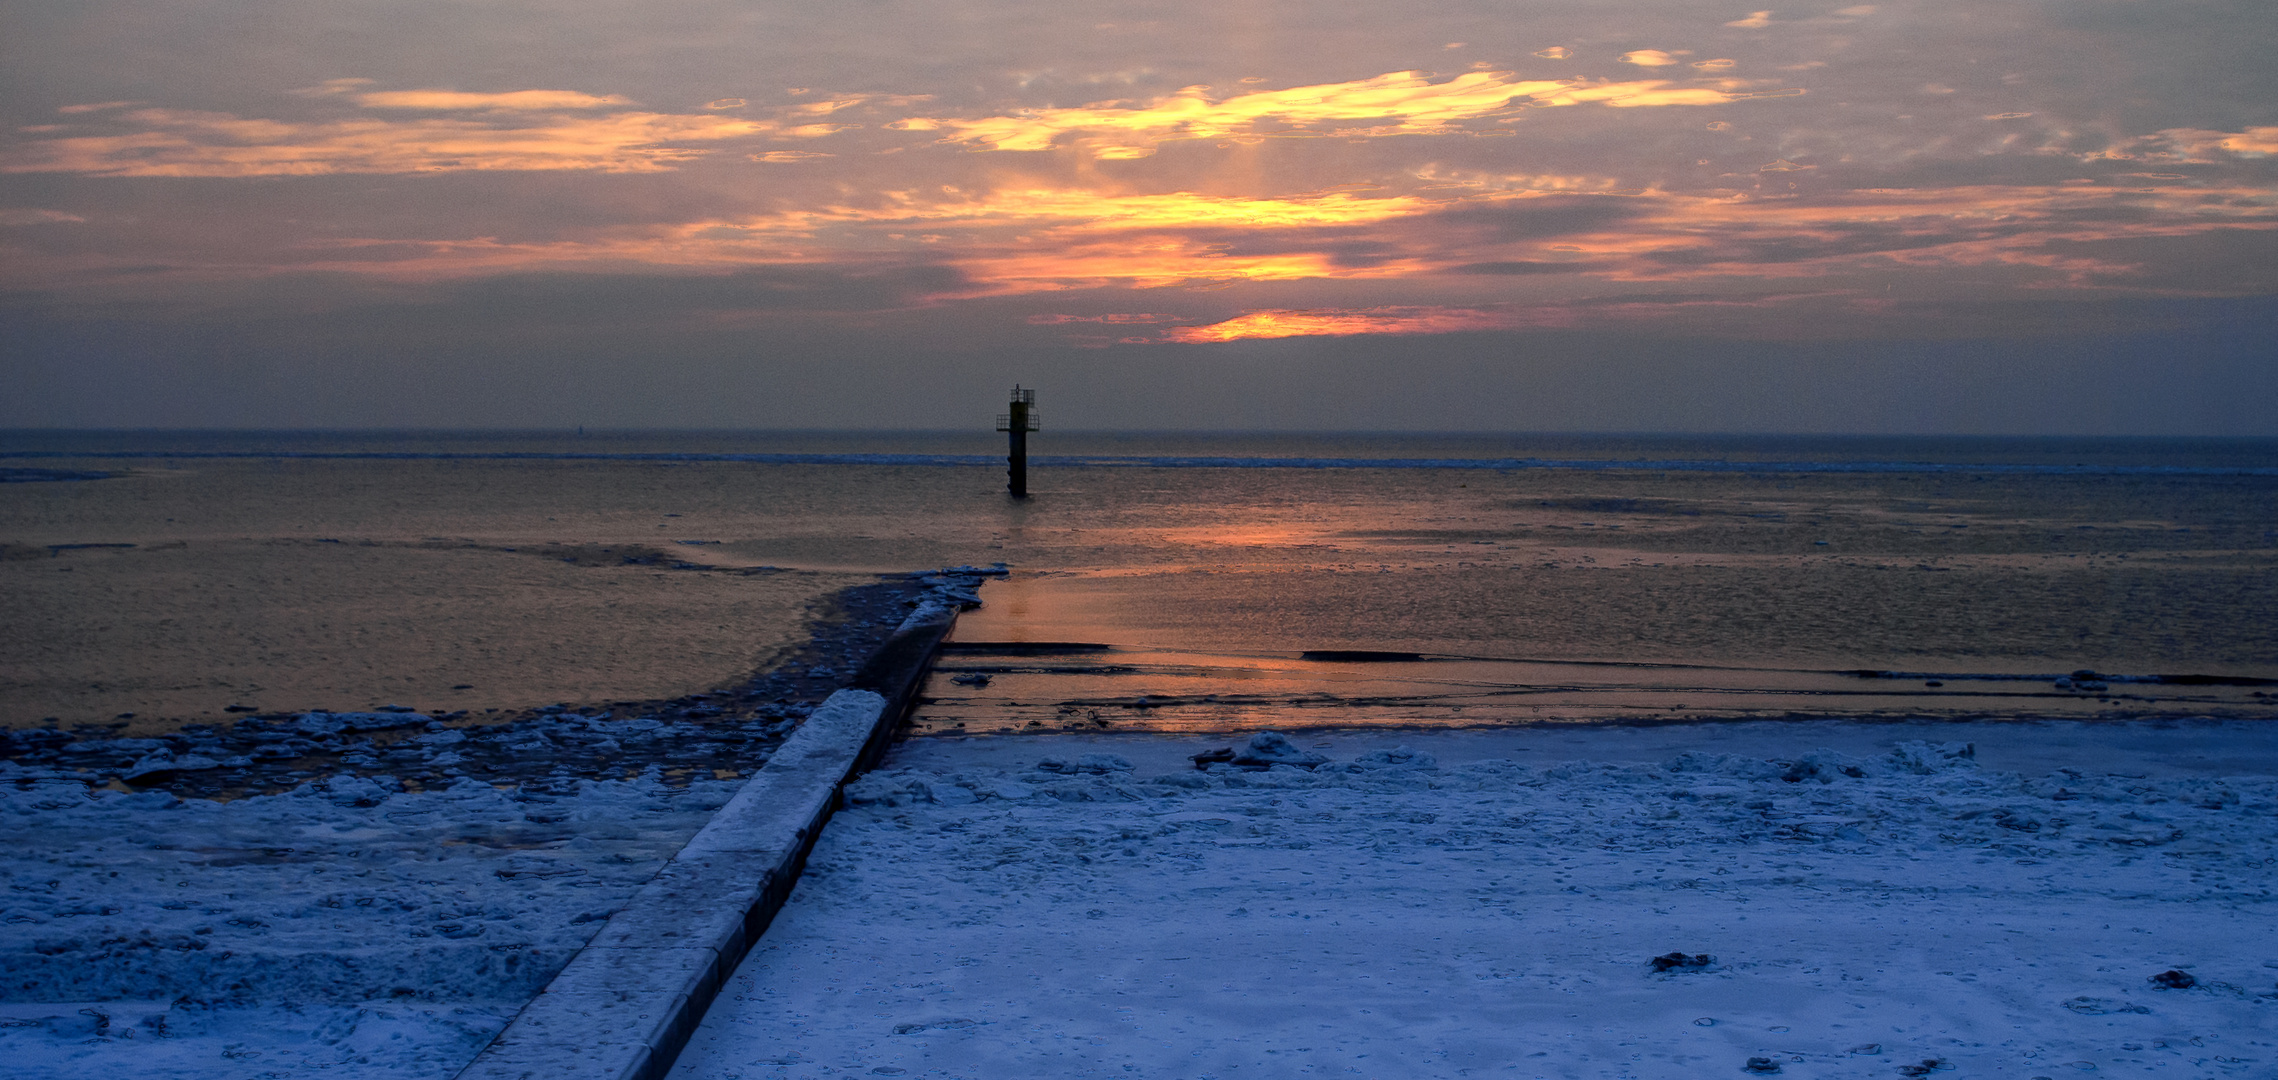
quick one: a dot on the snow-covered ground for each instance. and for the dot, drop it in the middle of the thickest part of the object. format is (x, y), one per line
(1490, 903)
(1491, 906)
(346, 926)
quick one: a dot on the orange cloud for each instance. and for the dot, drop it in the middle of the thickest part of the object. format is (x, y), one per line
(1436, 319)
(2196, 144)
(182, 143)
(1709, 238)
(473, 132)
(1396, 103)
(518, 100)
(1027, 241)
(1005, 242)
(1145, 263)
(1341, 322)
(1117, 319)
(14, 218)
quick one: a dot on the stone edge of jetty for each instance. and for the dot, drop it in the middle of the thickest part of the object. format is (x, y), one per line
(623, 1008)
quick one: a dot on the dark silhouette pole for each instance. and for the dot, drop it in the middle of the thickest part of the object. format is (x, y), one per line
(1019, 422)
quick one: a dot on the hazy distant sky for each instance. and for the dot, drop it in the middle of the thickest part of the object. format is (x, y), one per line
(2004, 216)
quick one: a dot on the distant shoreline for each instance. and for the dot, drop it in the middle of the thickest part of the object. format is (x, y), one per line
(1171, 462)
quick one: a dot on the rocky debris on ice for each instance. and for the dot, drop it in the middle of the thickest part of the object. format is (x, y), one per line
(1678, 961)
(1926, 1067)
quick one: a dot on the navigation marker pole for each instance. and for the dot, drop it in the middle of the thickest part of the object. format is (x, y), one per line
(1020, 421)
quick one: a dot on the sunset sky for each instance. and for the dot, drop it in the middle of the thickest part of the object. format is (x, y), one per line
(1623, 215)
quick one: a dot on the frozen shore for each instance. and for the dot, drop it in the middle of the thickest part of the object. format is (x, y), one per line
(1486, 902)
(343, 925)
(1490, 903)
(355, 924)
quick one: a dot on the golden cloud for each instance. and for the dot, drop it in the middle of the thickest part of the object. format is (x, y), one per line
(568, 129)
(1396, 103)
(1087, 210)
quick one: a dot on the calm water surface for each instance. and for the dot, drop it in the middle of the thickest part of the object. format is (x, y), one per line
(1465, 579)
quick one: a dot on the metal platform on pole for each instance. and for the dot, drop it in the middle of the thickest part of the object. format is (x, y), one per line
(1021, 420)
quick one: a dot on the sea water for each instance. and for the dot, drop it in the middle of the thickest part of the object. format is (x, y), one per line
(1190, 582)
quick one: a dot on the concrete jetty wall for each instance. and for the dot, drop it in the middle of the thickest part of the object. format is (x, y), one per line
(624, 1006)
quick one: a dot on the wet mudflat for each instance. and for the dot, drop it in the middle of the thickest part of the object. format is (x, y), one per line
(1025, 687)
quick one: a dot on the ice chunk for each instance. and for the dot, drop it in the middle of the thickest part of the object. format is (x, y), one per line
(161, 764)
(1096, 764)
(1267, 748)
(899, 789)
(1399, 757)
(331, 723)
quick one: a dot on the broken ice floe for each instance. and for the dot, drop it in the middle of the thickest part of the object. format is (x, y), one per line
(1265, 750)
